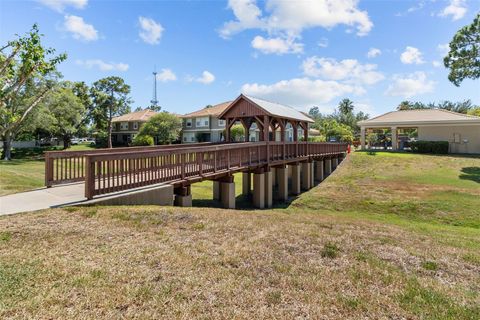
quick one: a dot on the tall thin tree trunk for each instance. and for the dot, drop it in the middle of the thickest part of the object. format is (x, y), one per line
(7, 146)
(66, 142)
(109, 141)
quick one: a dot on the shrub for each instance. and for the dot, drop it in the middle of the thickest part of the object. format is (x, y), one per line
(435, 147)
(143, 140)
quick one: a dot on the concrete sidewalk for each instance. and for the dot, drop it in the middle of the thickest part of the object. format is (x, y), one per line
(42, 198)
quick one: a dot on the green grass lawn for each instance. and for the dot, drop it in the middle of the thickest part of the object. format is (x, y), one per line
(387, 236)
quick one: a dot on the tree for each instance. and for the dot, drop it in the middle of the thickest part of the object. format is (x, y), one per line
(237, 132)
(109, 99)
(138, 109)
(163, 126)
(314, 113)
(474, 112)
(463, 59)
(155, 108)
(27, 74)
(346, 106)
(67, 113)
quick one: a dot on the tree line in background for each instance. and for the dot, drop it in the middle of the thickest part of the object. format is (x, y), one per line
(35, 102)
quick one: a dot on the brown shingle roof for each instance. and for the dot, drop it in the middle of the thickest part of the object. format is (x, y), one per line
(140, 116)
(212, 111)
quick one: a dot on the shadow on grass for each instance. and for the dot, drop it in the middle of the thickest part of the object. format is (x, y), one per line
(470, 173)
(241, 203)
(16, 162)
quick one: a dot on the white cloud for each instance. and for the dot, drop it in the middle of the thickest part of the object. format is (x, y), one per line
(436, 64)
(276, 45)
(301, 92)
(102, 65)
(294, 16)
(456, 8)
(411, 55)
(166, 75)
(151, 31)
(60, 5)
(443, 49)
(374, 52)
(410, 85)
(206, 78)
(323, 43)
(79, 28)
(348, 70)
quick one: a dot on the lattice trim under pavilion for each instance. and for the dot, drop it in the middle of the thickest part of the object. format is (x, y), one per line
(268, 116)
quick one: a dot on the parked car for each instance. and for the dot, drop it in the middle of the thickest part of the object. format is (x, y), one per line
(75, 141)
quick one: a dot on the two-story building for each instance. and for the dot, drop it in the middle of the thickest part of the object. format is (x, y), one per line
(125, 127)
(203, 125)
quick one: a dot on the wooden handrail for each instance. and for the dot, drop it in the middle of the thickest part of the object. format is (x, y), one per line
(116, 171)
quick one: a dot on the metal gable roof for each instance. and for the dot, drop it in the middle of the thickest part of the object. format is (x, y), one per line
(275, 109)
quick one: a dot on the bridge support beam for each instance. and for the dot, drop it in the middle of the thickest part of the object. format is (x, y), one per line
(259, 190)
(296, 179)
(319, 170)
(312, 175)
(246, 183)
(268, 189)
(306, 175)
(328, 167)
(282, 179)
(183, 197)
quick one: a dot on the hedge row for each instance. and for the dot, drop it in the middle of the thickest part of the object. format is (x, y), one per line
(436, 147)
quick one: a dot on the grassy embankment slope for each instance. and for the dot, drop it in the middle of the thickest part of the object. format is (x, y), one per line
(386, 236)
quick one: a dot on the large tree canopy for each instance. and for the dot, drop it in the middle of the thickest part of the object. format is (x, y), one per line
(110, 98)
(27, 73)
(165, 127)
(463, 59)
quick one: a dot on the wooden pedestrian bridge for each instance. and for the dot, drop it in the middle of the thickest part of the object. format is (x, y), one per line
(164, 174)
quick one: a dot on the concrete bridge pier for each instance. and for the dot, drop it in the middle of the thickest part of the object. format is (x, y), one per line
(319, 170)
(306, 176)
(295, 179)
(246, 183)
(328, 167)
(282, 180)
(268, 189)
(216, 190)
(312, 174)
(227, 192)
(334, 163)
(259, 190)
(183, 196)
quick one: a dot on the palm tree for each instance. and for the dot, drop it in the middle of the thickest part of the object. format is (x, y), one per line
(345, 106)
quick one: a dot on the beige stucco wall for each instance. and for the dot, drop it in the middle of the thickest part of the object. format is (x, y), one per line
(446, 133)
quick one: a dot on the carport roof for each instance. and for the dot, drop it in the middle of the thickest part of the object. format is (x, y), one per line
(419, 117)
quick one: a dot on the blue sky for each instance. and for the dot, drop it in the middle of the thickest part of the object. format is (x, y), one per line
(305, 53)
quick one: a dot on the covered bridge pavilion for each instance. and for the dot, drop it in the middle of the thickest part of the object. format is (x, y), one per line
(270, 117)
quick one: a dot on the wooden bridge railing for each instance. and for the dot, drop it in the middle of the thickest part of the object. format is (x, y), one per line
(69, 166)
(116, 171)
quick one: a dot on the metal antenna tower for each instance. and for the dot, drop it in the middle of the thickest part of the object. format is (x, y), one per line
(154, 101)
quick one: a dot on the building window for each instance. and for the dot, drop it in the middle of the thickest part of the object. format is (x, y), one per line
(135, 126)
(221, 123)
(188, 123)
(202, 122)
(124, 126)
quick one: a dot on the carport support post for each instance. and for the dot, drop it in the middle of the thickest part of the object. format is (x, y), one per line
(282, 178)
(328, 167)
(259, 190)
(362, 138)
(216, 190)
(394, 138)
(295, 179)
(246, 183)
(306, 175)
(319, 170)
